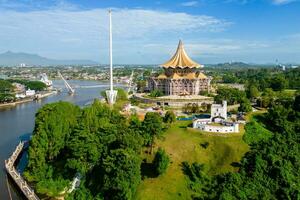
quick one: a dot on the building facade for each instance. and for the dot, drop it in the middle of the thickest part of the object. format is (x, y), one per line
(181, 76)
(217, 122)
(219, 110)
(224, 128)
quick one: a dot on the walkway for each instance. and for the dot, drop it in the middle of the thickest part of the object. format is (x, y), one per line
(16, 176)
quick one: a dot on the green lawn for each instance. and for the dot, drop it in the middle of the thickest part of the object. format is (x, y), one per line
(183, 144)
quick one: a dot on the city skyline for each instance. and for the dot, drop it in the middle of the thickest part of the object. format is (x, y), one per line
(147, 32)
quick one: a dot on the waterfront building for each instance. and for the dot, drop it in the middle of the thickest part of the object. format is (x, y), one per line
(29, 93)
(181, 76)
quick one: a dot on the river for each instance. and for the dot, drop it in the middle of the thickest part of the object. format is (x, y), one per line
(18, 122)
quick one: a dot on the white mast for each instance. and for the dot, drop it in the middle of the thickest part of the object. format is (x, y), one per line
(111, 94)
(110, 52)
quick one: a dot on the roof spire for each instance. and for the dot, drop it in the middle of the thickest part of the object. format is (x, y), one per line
(181, 59)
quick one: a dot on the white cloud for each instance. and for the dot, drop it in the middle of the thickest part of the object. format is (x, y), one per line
(36, 4)
(64, 33)
(282, 2)
(190, 3)
(275, 2)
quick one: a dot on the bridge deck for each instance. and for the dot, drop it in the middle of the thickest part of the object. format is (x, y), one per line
(16, 176)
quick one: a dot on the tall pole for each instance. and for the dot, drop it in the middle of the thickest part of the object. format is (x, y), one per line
(110, 52)
(111, 94)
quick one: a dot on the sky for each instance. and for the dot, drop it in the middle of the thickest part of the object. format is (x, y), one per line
(148, 31)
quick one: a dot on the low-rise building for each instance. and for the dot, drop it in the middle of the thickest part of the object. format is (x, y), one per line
(218, 122)
(222, 128)
(29, 93)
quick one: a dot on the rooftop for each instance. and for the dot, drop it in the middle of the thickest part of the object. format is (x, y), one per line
(181, 59)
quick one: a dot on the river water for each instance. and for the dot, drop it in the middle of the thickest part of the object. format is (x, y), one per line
(18, 122)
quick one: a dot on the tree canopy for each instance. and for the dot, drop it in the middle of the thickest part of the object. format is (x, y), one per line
(270, 170)
(96, 141)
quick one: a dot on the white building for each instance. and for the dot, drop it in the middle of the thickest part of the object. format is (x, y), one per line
(218, 115)
(20, 96)
(219, 110)
(225, 128)
(198, 122)
(29, 93)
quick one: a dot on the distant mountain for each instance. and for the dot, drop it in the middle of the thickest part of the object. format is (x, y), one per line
(12, 59)
(240, 65)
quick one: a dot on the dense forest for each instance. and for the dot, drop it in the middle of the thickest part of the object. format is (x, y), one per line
(33, 85)
(7, 88)
(97, 142)
(261, 78)
(270, 170)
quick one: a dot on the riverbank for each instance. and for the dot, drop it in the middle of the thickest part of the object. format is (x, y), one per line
(29, 99)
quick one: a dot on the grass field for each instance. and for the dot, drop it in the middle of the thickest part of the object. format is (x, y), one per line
(184, 144)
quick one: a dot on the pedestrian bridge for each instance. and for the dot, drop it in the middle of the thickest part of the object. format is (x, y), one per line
(16, 176)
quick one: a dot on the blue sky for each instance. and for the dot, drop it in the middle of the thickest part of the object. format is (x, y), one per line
(147, 31)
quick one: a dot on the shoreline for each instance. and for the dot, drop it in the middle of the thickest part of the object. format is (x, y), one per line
(13, 104)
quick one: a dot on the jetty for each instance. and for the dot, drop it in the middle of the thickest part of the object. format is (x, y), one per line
(16, 176)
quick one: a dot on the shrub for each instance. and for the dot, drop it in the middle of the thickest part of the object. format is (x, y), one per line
(204, 145)
(156, 93)
(169, 117)
(161, 161)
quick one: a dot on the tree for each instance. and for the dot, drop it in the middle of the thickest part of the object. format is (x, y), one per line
(85, 149)
(278, 83)
(199, 181)
(245, 105)
(253, 92)
(53, 126)
(121, 174)
(35, 85)
(5, 86)
(231, 95)
(153, 128)
(96, 141)
(170, 117)
(156, 93)
(141, 85)
(191, 108)
(267, 98)
(161, 161)
(297, 103)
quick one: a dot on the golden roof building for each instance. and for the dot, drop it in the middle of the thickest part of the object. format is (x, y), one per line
(181, 76)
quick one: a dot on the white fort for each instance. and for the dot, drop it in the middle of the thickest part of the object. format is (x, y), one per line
(219, 110)
(218, 121)
(111, 94)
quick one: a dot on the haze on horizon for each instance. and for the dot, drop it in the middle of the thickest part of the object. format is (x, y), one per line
(147, 32)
